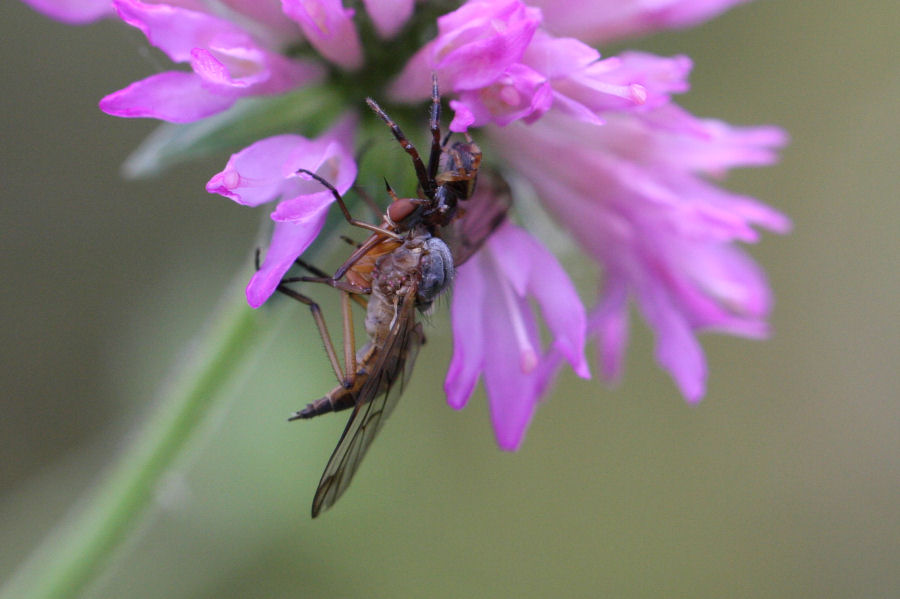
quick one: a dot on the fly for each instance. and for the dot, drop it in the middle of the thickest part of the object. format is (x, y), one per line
(405, 264)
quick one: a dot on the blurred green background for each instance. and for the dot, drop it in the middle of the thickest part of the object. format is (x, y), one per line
(784, 482)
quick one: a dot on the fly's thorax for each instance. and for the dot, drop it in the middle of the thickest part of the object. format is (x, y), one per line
(417, 272)
(362, 272)
(393, 278)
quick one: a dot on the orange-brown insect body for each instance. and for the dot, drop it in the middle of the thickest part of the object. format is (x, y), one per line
(392, 296)
(407, 278)
(401, 268)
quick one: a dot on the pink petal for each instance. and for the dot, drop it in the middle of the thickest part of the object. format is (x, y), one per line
(175, 30)
(556, 57)
(476, 44)
(329, 28)
(734, 293)
(630, 81)
(280, 31)
(661, 76)
(171, 96)
(677, 349)
(257, 175)
(463, 117)
(520, 93)
(214, 71)
(495, 332)
(468, 334)
(266, 170)
(704, 145)
(609, 321)
(576, 110)
(389, 16)
(298, 209)
(289, 240)
(512, 391)
(535, 271)
(480, 40)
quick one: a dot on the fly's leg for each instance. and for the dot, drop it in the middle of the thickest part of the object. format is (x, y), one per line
(344, 286)
(349, 241)
(340, 398)
(360, 251)
(344, 376)
(355, 293)
(349, 337)
(345, 379)
(323, 277)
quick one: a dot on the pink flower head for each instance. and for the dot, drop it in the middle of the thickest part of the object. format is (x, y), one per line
(228, 63)
(495, 333)
(73, 12)
(267, 171)
(633, 195)
(626, 172)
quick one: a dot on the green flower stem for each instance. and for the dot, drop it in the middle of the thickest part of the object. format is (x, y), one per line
(71, 557)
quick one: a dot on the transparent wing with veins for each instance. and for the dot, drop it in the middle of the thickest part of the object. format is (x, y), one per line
(376, 400)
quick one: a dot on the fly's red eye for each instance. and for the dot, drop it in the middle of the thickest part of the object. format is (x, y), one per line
(400, 209)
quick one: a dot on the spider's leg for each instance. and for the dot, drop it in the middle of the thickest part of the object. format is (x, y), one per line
(435, 125)
(323, 333)
(345, 211)
(421, 173)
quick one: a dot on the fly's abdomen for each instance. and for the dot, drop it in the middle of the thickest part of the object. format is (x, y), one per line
(338, 399)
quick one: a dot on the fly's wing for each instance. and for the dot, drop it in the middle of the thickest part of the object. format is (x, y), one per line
(478, 217)
(377, 398)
